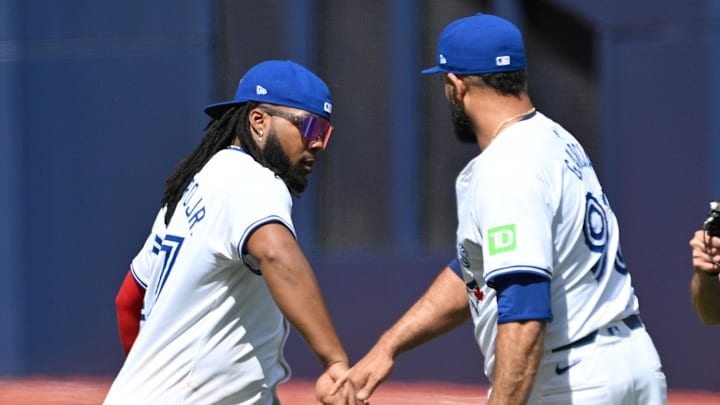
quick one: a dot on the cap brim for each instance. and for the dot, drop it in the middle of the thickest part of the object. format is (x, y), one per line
(434, 69)
(218, 109)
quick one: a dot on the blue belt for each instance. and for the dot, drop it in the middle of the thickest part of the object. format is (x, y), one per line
(632, 322)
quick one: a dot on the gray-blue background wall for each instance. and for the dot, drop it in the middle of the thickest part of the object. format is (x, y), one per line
(100, 100)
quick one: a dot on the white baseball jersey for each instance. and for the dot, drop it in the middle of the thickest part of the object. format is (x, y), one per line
(212, 333)
(531, 203)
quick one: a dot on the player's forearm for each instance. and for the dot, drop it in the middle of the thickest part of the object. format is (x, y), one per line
(297, 294)
(442, 308)
(518, 350)
(292, 283)
(705, 293)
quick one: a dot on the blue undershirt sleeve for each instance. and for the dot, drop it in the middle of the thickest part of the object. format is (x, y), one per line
(455, 266)
(522, 297)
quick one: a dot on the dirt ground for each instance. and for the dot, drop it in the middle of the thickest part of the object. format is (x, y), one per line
(91, 391)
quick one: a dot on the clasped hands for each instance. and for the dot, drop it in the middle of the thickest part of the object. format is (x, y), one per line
(340, 385)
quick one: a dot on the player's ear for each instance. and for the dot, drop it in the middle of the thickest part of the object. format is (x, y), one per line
(258, 120)
(455, 86)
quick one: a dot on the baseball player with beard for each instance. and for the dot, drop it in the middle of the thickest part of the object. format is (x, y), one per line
(221, 274)
(538, 251)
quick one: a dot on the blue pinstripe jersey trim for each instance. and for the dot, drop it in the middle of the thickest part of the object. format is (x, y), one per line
(518, 269)
(137, 279)
(237, 148)
(257, 224)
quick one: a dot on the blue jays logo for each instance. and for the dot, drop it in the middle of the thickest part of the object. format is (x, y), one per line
(474, 289)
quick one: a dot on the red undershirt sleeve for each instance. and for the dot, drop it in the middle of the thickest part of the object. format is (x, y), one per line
(128, 303)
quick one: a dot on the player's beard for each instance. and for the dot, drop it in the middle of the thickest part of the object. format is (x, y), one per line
(461, 122)
(279, 162)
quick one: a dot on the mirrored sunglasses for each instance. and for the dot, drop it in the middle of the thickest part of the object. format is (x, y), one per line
(312, 127)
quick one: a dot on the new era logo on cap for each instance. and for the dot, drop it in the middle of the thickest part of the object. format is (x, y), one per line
(260, 90)
(327, 107)
(442, 59)
(502, 61)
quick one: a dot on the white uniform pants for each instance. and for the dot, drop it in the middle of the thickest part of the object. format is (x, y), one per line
(621, 366)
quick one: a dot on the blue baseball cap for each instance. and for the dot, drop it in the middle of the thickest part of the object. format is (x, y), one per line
(478, 44)
(279, 82)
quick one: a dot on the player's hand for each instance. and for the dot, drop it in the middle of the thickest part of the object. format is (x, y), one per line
(701, 258)
(334, 388)
(371, 371)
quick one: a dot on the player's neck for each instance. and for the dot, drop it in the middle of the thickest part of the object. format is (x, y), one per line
(496, 113)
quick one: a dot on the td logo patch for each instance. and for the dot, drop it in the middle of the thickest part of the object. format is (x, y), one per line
(501, 239)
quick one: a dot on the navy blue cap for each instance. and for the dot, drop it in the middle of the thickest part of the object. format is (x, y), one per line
(277, 82)
(478, 44)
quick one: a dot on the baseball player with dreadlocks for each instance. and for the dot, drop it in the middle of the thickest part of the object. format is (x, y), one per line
(538, 251)
(221, 273)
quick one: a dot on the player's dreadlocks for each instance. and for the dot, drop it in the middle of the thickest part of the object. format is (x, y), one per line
(219, 134)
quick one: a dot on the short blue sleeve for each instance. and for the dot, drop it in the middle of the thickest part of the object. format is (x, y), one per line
(522, 297)
(455, 266)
